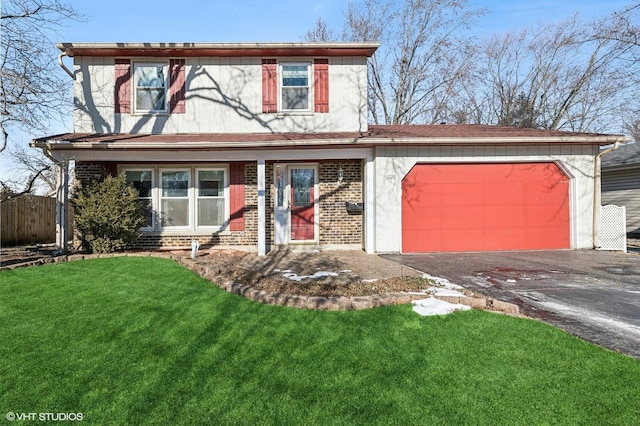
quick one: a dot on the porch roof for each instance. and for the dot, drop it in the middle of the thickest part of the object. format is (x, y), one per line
(377, 135)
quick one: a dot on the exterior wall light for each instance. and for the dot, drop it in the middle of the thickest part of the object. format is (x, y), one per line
(340, 176)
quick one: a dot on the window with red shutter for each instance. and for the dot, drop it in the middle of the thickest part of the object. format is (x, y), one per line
(321, 85)
(177, 86)
(269, 86)
(123, 86)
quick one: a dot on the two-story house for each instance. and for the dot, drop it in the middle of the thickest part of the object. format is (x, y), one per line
(262, 145)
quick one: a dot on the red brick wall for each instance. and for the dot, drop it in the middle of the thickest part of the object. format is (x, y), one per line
(337, 226)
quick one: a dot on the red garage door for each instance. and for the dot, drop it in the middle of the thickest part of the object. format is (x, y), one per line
(474, 207)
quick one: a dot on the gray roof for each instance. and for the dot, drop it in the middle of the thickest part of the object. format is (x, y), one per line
(628, 155)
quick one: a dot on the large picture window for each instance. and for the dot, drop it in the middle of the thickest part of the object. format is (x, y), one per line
(295, 86)
(182, 198)
(150, 87)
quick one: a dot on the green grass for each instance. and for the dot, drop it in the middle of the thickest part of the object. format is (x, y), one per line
(145, 341)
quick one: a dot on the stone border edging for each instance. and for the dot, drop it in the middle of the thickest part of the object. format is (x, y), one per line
(333, 303)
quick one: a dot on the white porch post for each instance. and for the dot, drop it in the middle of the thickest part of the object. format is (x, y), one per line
(262, 208)
(62, 205)
(369, 205)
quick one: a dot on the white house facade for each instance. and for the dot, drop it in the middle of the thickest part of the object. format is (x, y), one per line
(261, 146)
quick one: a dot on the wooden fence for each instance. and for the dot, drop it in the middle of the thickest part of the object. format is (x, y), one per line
(28, 219)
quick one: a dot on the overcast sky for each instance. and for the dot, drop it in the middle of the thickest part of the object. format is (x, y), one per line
(262, 21)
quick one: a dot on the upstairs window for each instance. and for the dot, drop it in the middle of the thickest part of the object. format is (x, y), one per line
(294, 86)
(150, 87)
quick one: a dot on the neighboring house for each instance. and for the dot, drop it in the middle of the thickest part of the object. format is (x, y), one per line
(621, 183)
(267, 145)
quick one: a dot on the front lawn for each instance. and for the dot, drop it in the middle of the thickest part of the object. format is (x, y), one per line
(145, 341)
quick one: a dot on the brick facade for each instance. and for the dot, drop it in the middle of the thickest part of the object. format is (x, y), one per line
(337, 226)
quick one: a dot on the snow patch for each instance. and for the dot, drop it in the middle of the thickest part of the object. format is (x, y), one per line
(433, 306)
(320, 274)
(443, 282)
(447, 292)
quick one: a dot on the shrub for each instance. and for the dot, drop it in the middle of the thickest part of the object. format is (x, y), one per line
(108, 214)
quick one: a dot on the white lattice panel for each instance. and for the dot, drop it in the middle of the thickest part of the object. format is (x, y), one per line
(613, 233)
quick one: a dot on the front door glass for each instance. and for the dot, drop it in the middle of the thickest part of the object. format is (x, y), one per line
(302, 204)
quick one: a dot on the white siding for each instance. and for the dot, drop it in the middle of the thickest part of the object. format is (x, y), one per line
(393, 163)
(223, 95)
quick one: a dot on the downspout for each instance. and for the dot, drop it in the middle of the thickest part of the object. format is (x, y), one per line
(63, 66)
(597, 196)
(62, 200)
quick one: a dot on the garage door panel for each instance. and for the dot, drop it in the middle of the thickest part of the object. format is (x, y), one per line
(469, 207)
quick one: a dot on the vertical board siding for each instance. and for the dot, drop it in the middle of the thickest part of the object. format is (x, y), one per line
(177, 88)
(321, 85)
(123, 86)
(29, 219)
(269, 86)
(236, 201)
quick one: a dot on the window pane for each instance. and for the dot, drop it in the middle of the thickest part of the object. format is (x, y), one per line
(175, 184)
(295, 75)
(150, 100)
(210, 211)
(280, 186)
(295, 98)
(175, 212)
(210, 183)
(147, 208)
(150, 76)
(301, 184)
(141, 181)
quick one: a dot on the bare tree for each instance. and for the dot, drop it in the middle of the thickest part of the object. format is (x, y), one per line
(558, 76)
(33, 90)
(423, 59)
(321, 32)
(623, 28)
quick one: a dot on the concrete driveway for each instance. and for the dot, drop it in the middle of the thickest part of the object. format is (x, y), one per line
(591, 294)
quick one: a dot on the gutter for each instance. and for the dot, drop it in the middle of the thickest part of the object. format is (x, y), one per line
(597, 195)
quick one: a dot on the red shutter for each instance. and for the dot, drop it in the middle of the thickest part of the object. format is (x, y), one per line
(123, 86)
(321, 85)
(269, 86)
(236, 189)
(176, 86)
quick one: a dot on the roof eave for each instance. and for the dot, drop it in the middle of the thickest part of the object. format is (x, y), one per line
(220, 49)
(53, 143)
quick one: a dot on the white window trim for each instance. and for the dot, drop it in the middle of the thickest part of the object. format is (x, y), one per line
(165, 66)
(225, 192)
(189, 197)
(309, 86)
(156, 201)
(153, 198)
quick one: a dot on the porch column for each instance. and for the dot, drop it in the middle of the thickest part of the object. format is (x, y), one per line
(262, 208)
(369, 205)
(62, 205)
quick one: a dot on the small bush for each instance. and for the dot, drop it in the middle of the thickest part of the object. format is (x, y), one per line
(108, 214)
